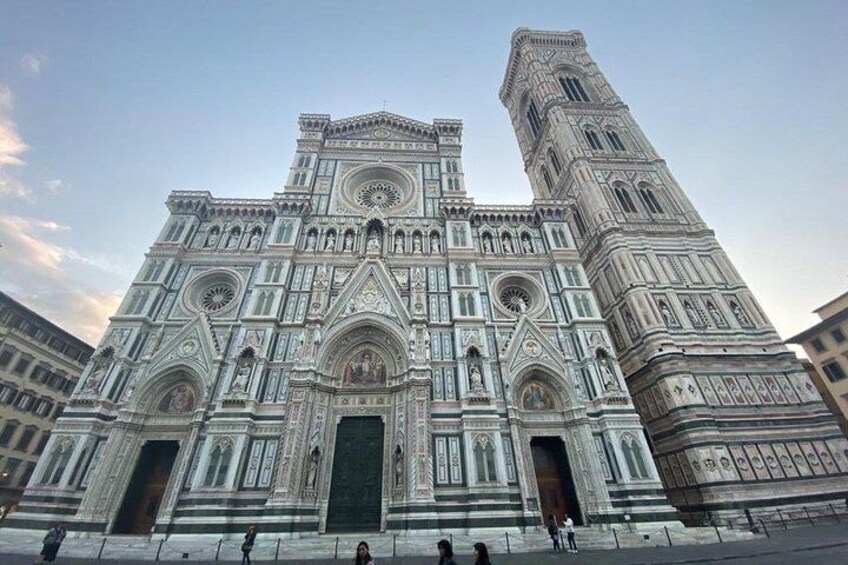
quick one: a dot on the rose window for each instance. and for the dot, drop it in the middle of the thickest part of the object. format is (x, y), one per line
(378, 194)
(515, 299)
(217, 297)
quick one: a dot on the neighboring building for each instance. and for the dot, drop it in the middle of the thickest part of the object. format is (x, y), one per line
(826, 344)
(40, 364)
(372, 350)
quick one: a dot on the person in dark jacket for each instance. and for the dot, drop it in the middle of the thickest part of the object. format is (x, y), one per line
(445, 553)
(363, 555)
(247, 546)
(553, 531)
(52, 541)
(481, 554)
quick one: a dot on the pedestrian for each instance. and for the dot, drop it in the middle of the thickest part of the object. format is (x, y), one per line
(569, 530)
(553, 531)
(363, 555)
(445, 553)
(481, 554)
(51, 542)
(247, 546)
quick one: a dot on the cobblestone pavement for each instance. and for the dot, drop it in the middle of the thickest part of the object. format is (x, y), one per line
(812, 545)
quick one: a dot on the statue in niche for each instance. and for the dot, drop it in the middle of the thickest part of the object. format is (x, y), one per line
(427, 344)
(690, 313)
(312, 468)
(254, 240)
(715, 314)
(373, 241)
(99, 370)
(212, 238)
(416, 243)
(330, 244)
(536, 397)
(398, 461)
(739, 314)
(476, 379)
(311, 241)
(399, 243)
(435, 244)
(413, 345)
(526, 245)
(609, 378)
(487, 243)
(631, 324)
(348, 242)
(128, 392)
(233, 242)
(666, 314)
(507, 244)
(242, 378)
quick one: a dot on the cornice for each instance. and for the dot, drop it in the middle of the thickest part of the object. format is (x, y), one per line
(205, 206)
(524, 36)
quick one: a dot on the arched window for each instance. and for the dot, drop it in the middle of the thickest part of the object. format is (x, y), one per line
(484, 458)
(547, 178)
(304, 161)
(554, 159)
(593, 139)
(58, 462)
(463, 276)
(573, 89)
(219, 463)
(578, 221)
(634, 458)
(533, 119)
(614, 140)
(624, 200)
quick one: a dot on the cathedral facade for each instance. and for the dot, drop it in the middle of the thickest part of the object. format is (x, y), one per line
(371, 350)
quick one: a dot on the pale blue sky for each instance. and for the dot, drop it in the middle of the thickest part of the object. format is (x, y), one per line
(107, 106)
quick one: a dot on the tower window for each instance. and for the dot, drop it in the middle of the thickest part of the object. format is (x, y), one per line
(547, 178)
(593, 139)
(615, 141)
(554, 159)
(573, 89)
(533, 118)
(650, 201)
(624, 200)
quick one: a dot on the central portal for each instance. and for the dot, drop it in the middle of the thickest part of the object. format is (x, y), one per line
(553, 475)
(356, 490)
(147, 488)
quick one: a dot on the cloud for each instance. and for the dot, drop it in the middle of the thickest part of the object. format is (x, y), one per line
(7, 101)
(55, 185)
(12, 146)
(12, 187)
(32, 63)
(36, 272)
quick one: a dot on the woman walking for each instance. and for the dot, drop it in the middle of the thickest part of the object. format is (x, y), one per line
(553, 531)
(481, 554)
(247, 546)
(363, 555)
(51, 542)
(445, 553)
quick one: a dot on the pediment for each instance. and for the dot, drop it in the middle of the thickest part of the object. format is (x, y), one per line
(193, 346)
(529, 345)
(370, 288)
(381, 126)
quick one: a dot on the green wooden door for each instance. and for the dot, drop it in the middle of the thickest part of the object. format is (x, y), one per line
(356, 490)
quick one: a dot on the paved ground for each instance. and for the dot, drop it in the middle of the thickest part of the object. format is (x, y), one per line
(811, 545)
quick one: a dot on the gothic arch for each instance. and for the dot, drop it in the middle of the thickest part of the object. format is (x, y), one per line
(357, 331)
(543, 373)
(154, 388)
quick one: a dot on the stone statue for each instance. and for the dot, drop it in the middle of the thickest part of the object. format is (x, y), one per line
(435, 244)
(96, 376)
(526, 245)
(254, 240)
(487, 244)
(507, 245)
(691, 314)
(398, 243)
(416, 243)
(311, 241)
(128, 392)
(413, 345)
(312, 468)
(373, 242)
(242, 378)
(714, 314)
(666, 314)
(330, 244)
(212, 238)
(398, 460)
(233, 242)
(476, 378)
(348, 242)
(631, 324)
(427, 344)
(610, 380)
(739, 314)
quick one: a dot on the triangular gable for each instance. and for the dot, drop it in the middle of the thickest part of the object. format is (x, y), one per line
(193, 346)
(381, 126)
(370, 288)
(529, 345)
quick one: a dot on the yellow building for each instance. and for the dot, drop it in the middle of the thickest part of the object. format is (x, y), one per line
(40, 365)
(826, 344)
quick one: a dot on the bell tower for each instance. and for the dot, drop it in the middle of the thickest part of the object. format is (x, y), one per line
(702, 361)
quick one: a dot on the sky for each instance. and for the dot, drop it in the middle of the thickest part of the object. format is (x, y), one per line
(105, 107)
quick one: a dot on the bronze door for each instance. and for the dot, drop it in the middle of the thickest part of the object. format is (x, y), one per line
(553, 477)
(356, 490)
(147, 488)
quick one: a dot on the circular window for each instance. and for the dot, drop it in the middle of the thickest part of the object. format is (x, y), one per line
(515, 299)
(217, 297)
(518, 294)
(212, 292)
(378, 194)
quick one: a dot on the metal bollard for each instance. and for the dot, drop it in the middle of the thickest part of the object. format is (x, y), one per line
(102, 545)
(336, 555)
(835, 515)
(158, 551)
(507, 542)
(765, 530)
(718, 534)
(780, 514)
(218, 551)
(451, 539)
(668, 536)
(615, 535)
(277, 553)
(394, 545)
